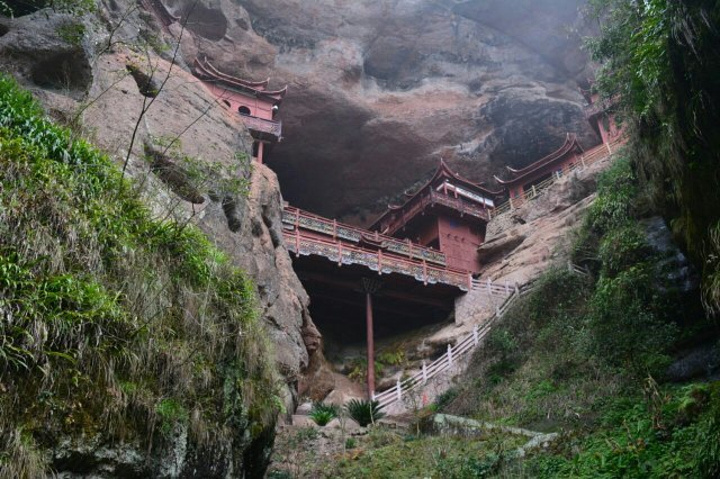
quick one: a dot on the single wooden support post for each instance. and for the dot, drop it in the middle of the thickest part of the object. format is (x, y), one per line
(334, 229)
(497, 311)
(370, 345)
(398, 390)
(340, 253)
(507, 287)
(511, 203)
(476, 339)
(297, 218)
(570, 267)
(370, 286)
(517, 288)
(449, 354)
(424, 372)
(489, 212)
(608, 148)
(469, 276)
(557, 174)
(297, 243)
(379, 261)
(425, 278)
(582, 160)
(534, 191)
(489, 286)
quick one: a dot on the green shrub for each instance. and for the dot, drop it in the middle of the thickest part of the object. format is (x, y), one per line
(364, 411)
(627, 322)
(445, 398)
(622, 248)
(323, 413)
(321, 418)
(707, 437)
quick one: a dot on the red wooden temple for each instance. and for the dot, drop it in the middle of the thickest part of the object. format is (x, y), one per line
(257, 105)
(351, 273)
(600, 114)
(523, 180)
(449, 213)
(406, 271)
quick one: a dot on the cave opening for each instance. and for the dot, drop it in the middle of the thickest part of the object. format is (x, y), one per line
(402, 308)
(20, 8)
(66, 71)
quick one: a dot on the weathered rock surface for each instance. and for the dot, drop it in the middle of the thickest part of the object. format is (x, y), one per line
(379, 90)
(524, 242)
(87, 84)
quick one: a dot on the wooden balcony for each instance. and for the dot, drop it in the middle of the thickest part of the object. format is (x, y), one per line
(302, 220)
(262, 127)
(342, 253)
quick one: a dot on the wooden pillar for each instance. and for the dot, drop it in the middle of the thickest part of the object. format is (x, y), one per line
(370, 287)
(370, 345)
(261, 148)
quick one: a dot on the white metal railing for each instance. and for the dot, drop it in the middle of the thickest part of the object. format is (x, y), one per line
(493, 289)
(467, 344)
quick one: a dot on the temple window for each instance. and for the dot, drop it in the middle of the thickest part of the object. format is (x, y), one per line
(243, 110)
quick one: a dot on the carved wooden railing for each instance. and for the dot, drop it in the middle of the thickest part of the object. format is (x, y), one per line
(272, 127)
(303, 220)
(586, 159)
(401, 216)
(344, 253)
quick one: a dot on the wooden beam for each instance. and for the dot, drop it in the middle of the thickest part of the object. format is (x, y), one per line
(387, 291)
(379, 306)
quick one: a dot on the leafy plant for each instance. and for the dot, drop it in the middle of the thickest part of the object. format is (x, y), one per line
(323, 413)
(171, 413)
(72, 33)
(364, 411)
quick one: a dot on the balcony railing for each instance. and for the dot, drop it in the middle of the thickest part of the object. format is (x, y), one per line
(303, 220)
(271, 127)
(376, 260)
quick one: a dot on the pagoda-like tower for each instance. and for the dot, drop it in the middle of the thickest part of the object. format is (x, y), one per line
(449, 213)
(522, 181)
(252, 101)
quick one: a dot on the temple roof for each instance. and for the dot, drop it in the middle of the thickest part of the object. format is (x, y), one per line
(571, 145)
(445, 173)
(206, 71)
(441, 174)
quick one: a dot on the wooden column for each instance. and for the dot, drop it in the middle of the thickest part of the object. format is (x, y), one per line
(370, 287)
(261, 148)
(370, 345)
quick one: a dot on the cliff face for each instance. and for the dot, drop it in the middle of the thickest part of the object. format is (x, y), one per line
(379, 90)
(84, 81)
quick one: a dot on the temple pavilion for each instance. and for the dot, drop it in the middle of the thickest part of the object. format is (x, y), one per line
(251, 100)
(449, 213)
